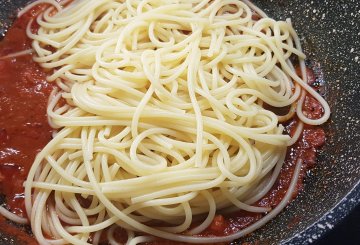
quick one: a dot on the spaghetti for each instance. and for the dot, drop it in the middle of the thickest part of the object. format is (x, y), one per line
(161, 117)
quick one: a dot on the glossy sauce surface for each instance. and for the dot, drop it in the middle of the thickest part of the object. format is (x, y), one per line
(24, 131)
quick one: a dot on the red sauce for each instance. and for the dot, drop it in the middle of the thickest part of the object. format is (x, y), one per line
(24, 131)
(311, 139)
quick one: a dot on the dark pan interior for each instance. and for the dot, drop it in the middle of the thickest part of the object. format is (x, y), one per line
(330, 32)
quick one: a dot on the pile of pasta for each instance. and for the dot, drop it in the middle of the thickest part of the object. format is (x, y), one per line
(161, 117)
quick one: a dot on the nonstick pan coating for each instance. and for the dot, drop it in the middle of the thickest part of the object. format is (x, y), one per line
(330, 33)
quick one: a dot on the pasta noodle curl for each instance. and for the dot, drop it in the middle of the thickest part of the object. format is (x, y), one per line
(161, 116)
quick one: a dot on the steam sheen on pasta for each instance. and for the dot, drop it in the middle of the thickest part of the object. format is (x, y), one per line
(161, 117)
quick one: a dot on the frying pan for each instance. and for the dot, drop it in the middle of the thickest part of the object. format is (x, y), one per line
(330, 32)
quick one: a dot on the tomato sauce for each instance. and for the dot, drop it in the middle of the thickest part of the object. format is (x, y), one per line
(311, 139)
(24, 131)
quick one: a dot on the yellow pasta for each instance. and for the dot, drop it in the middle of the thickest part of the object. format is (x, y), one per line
(164, 117)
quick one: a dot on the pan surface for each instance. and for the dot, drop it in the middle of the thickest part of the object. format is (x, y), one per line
(330, 32)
